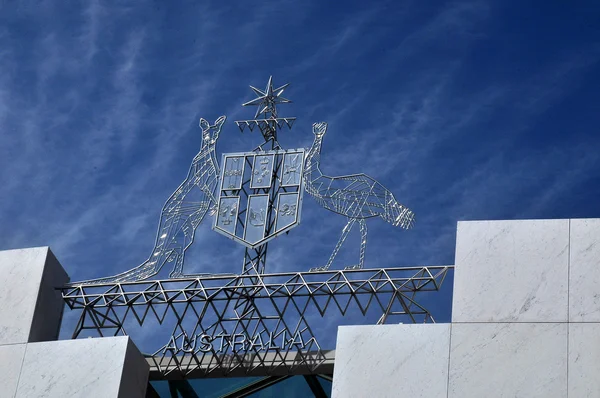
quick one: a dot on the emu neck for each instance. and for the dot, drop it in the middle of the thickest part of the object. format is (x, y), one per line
(313, 159)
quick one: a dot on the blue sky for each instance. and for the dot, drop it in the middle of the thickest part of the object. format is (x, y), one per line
(466, 110)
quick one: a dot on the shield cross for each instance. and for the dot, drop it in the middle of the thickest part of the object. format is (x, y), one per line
(260, 195)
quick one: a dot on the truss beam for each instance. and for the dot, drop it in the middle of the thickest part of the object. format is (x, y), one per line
(278, 308)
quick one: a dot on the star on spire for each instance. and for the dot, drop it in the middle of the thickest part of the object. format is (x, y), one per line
(267, 100)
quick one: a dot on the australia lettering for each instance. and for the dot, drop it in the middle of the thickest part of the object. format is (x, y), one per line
(238, 342)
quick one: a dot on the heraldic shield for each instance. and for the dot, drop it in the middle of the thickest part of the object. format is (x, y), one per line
(260, 195)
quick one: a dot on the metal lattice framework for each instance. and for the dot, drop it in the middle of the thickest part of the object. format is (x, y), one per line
(275, 305)
(182, 213)
(355, 196)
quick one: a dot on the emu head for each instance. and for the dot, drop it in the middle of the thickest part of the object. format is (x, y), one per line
(319, 129)
(210, 133)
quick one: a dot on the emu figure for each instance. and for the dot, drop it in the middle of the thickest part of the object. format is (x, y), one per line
(355, 196)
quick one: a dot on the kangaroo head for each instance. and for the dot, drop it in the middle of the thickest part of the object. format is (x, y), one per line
(210, 133)
(319, 129)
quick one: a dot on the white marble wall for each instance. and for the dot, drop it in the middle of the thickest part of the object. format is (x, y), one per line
(388, 361)
(511, 271)
(91, 368)
(525, 319)
(31, 363)
(11, 358)
(584, 360)
(584, 283)
(508, 360)
(31, 308)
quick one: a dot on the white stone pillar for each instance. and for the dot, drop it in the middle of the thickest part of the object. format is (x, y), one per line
(32, 362)
(110, 367)
(30, 306)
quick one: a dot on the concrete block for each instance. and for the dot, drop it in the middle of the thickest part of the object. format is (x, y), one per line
(584, 275)
(11, 358)
(511, 271)
(584, 360)
(31, 308)
(391, 360)
(508, 360)
(108, 367)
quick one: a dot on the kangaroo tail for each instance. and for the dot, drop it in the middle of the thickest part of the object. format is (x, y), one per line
(141, 272)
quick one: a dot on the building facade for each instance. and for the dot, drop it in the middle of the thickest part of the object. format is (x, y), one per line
(525, 320)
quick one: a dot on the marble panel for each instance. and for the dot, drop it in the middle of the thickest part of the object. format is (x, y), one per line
(11, 358)
(584, 360)
(31, 309)
(91, 368)
(508, 360)
(21, 271)
(511, 271)
(389, 360)
(584, 274)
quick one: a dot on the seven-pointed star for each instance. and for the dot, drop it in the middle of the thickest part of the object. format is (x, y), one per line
(268, 99)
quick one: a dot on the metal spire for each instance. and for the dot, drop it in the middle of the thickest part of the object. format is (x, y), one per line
(266, 118)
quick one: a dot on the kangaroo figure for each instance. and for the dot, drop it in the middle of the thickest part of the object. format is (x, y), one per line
(182, 213)
(355, 196)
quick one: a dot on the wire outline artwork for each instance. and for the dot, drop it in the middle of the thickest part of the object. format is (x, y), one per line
(355, 196)
(181, 214)
(280, 304)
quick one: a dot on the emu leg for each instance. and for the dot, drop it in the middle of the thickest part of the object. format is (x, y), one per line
(339, 244)
(363, 245)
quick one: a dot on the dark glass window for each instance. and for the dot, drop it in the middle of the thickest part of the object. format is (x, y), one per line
(254, 387)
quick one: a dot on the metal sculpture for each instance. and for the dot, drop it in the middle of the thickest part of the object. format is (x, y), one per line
(355, 196)
(182, 213)
(255, 323)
